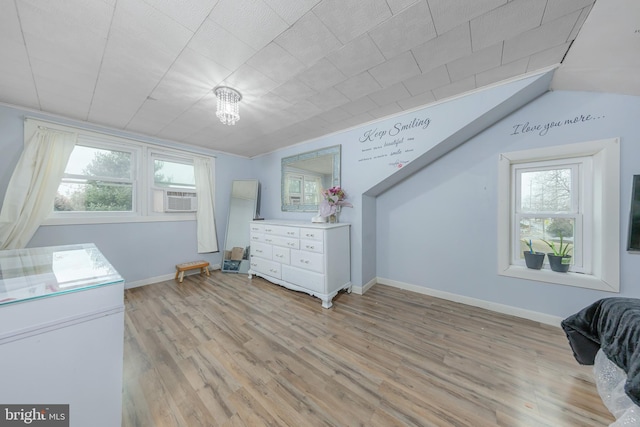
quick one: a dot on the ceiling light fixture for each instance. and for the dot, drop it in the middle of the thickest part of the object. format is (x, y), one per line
(228, 100)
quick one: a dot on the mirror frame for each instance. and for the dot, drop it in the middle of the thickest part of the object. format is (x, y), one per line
(335, 151)
(243, 266)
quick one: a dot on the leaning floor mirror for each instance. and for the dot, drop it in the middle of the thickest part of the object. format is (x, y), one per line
(244, 206)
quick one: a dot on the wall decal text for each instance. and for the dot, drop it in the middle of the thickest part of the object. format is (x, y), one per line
(543, 128)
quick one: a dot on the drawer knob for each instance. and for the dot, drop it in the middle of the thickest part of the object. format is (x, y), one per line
(310, 247)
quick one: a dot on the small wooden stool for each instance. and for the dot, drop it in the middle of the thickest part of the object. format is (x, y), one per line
(185, 266)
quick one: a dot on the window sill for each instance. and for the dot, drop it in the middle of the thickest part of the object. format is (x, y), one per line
(588, 281)
(119, 219)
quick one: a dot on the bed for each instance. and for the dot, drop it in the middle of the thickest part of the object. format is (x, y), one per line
(606, 334)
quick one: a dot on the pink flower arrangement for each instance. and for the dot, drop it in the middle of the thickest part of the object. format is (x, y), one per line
(333, 198)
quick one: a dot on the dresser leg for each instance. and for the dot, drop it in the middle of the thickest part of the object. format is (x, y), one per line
(326, 303)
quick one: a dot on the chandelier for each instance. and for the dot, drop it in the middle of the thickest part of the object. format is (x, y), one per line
(228, 99)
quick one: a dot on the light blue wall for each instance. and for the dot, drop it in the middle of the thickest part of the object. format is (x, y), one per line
(435, 228)
(139, 251)
(379, 154)
(438, 228)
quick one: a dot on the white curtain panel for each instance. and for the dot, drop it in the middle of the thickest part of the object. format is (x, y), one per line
(205, 217)
(33, 186)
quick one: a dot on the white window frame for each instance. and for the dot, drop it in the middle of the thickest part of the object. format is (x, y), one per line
(602, 245)
(143, 185)
(136, 154)
(581, 197)
(168, 157)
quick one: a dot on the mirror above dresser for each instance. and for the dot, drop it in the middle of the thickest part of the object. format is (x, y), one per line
(305, 175)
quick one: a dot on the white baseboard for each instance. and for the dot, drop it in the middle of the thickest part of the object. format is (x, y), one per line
(163, 278)
(499, 308)
(360, 290)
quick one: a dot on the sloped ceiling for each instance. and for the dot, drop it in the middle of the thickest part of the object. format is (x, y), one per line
(305, 68)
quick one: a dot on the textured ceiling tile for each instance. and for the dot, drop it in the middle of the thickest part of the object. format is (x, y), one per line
(15, 90)
(547, 57)
(328, 99)
(360, 106)
(448, 47)
(294, 91)
(250, 82)
(308, 40)
(189, 77)
(386, 111)
(395, 70)
(321, 75)
(399, 5)
(335, 115)
(276, 63)
(304, 110)
(357, 56)
(505, 22)
(417, 101)
(404, 31)
(477, 62)
(449, 14)
(502, 72)
(455, 88)
(218, 44)
(347, 19)
(390, 94)
(291, 11)
(10, 30)
(551, 34)
(190, 13)
(358, 86)
(252, 21)
(556, 9)
(361, 119)
(64, 19)
(579, 23)
(430, 80)
(163, 112)
(146, 26)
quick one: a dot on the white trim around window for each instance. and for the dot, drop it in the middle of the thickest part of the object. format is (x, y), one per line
(604, 209)
(143, 184)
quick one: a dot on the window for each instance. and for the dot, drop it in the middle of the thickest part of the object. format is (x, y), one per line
(568, 192)
(303, 189)
(549, 208)
(114, 179)
(174, 184)
(97, 180)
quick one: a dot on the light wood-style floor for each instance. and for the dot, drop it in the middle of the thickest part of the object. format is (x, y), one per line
(228, 351)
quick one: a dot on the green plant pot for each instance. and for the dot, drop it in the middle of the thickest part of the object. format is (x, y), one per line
(560, 264)
(534, 260)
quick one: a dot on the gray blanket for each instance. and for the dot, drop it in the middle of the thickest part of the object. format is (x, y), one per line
(612, 324)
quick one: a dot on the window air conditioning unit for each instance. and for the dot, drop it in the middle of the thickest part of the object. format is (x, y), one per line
(180, 201)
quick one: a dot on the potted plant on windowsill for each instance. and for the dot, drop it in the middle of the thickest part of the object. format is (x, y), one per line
(559, 259)
(532, 258)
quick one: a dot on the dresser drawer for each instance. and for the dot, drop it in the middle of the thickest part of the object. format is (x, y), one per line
(279, 230)
(312, 246)
(256, 228)
(281, 255)
(307, 260)
(310, 234)
(304, 278)
(264, 266)
(262, 250)
(282, 241)
(257, 237)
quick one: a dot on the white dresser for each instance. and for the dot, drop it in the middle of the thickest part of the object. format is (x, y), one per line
(306, 257)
